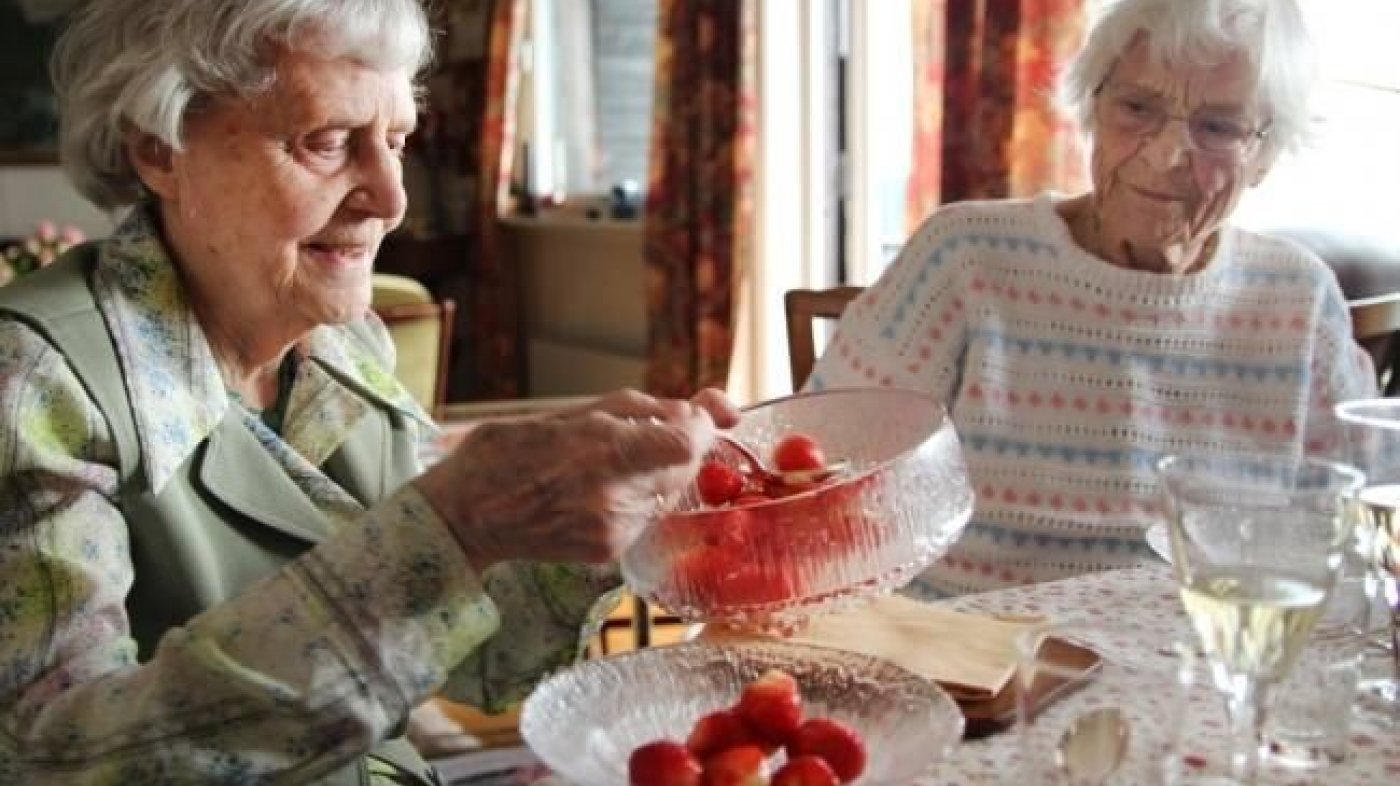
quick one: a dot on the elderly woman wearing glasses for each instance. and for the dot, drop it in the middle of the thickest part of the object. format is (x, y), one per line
(1077, 339)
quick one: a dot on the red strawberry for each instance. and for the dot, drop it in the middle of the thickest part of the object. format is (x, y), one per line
(663, 763)
(725, 577)
(746, 765)
(718, 483)
(797, 452)
(720, 731)
(833, 741)
(772, 706)
(806, 771)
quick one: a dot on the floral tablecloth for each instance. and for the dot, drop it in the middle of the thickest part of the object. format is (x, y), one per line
(1146, 598)
(1140, 598)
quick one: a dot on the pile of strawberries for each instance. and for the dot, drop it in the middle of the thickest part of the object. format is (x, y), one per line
(719, 484)
(732, 747)
(743, 554)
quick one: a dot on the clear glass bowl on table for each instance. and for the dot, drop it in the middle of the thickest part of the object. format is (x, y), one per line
(586, 722)
(769, 564)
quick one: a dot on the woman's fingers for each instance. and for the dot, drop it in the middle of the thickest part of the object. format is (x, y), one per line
(576, 486)
(723, 411)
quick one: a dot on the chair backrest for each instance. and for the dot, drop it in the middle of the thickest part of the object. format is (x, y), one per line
(422, 333)
(802, 307)
(1375, 324)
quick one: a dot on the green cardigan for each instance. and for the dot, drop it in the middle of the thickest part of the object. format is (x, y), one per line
(230, 515)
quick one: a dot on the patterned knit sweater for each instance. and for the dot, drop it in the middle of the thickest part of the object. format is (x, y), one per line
(1068, 377)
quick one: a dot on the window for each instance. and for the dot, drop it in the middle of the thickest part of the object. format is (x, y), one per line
(1346, 180)
(586, 93)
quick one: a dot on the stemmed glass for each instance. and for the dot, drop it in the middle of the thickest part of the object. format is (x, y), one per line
(1372, 431)
(1257, 544)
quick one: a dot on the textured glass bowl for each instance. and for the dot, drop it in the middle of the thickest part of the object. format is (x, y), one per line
(771, 565)
(585, 722)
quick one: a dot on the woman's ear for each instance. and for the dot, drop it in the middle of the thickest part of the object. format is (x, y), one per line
(154, 162)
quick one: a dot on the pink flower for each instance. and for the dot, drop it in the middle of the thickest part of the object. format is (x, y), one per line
(69, 237)
(45, 231)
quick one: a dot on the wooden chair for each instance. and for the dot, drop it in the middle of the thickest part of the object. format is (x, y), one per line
(1375, 323)
(802, 307)
(422, 332)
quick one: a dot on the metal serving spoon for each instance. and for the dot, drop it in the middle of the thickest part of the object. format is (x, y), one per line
(769, 476)
(1093, 747)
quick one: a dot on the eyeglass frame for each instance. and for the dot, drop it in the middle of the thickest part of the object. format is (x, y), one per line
(1240, 146)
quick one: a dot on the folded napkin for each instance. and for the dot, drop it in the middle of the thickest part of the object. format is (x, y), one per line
(972, 656)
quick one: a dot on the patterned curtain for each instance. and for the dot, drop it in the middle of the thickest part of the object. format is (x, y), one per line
(493, 332)
(699, 192)
(1000, 133)
(922, 194)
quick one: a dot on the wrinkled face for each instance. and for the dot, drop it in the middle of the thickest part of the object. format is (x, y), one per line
(1161, 188)
(277, 204)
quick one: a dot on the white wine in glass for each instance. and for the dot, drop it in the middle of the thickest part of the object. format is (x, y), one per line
(1257, 545)
(1253, 621)
(1379, 544)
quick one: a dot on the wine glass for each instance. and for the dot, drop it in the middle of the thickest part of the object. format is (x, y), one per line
(1372, 431)
(1257, 544)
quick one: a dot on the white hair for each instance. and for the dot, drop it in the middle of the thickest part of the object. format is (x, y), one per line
(1269, 34)
(124, 64)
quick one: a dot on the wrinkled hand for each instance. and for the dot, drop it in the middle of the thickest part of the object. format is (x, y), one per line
(574, 486)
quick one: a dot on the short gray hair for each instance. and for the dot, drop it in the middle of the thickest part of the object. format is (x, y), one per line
(1269, 34)
(144, 64)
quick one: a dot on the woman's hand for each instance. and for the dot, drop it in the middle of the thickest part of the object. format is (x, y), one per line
(576, 486)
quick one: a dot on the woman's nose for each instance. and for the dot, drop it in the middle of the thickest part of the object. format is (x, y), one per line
(1170, 147)
(379, 188)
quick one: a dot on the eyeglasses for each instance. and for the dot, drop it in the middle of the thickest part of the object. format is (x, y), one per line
(1142, 113)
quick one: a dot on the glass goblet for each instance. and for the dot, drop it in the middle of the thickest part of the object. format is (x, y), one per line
(1257, 544)
(1372, 431)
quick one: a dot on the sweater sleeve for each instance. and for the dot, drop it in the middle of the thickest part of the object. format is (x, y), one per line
(910, 328)
(1340, 370)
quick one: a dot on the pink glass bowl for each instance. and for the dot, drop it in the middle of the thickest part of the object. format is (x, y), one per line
(771, 565)
(585, 722)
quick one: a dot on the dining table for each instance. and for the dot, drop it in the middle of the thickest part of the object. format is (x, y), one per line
(1144, 598)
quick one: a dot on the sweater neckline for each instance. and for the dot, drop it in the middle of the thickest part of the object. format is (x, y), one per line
(1078, 259)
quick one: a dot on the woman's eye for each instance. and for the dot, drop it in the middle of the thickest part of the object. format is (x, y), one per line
(1222, 127)
(1136, 107)
(330, 143)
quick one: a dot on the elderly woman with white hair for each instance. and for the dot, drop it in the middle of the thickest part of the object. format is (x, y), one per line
(1077, 339)
(218, 561)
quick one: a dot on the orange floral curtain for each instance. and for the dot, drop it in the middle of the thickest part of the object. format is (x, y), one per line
(493, 329)
(699, 191)
(925, 171)
(989, 68)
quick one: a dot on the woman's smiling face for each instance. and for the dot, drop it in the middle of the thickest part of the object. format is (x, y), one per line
(277, 204)
(1160, 190)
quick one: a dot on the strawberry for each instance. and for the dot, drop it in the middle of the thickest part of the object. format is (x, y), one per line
(771, 706)
(663, 763)
(718, 483)
(746, 765)
(725, 577)
(833, 741)
(806, 771)
(720, 731)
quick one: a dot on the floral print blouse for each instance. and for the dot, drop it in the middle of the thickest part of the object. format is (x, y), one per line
(301, 672)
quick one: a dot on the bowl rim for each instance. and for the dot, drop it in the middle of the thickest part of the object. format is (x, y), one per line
(946, 421)
(947, 705)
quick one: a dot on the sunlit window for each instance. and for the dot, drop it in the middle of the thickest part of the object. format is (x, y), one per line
(1346, 180)
(586, 94)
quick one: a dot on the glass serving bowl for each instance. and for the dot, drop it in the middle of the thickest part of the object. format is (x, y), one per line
(770, 565)
(585, 722)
